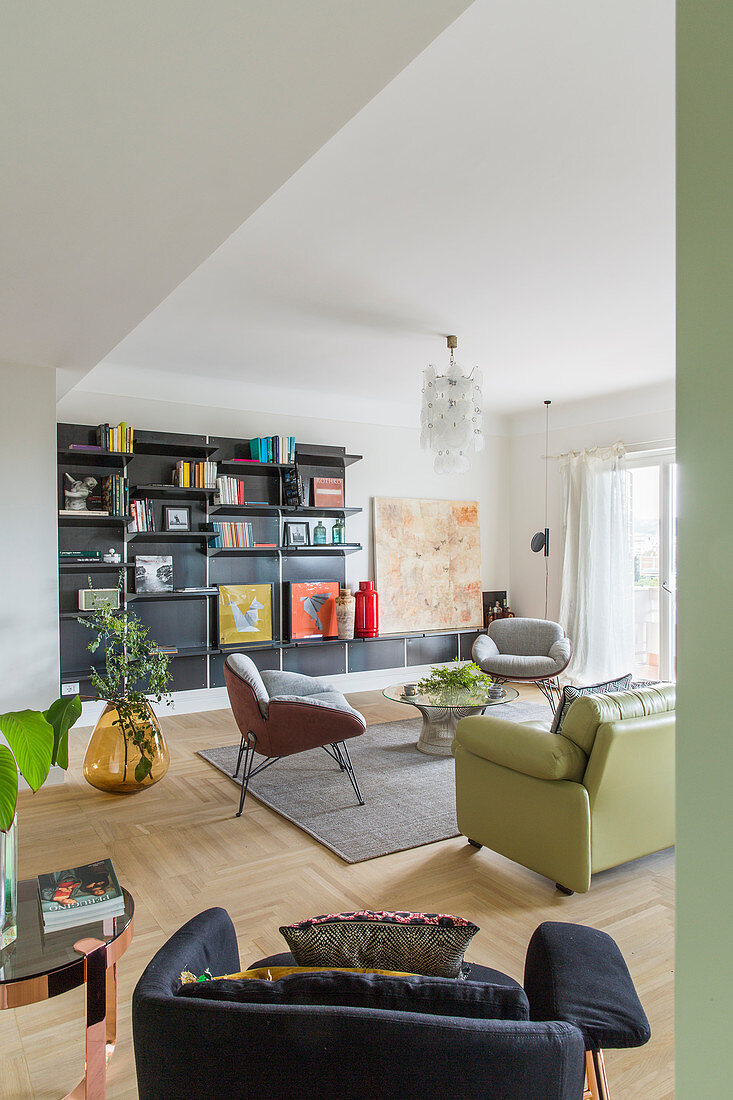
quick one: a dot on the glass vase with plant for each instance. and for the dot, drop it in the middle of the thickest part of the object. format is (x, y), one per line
(127, 750)
(458, 684)
(36, 740)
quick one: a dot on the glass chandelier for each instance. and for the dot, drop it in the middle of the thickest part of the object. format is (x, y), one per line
(450, 421)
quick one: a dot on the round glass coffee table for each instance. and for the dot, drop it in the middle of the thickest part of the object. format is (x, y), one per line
(441, 713)
(38, 965)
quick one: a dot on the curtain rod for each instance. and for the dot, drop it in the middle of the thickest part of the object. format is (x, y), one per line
(660, 444)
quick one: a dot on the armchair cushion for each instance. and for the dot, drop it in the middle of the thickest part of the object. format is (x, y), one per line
(484, 649)
(525, 637)
(578, 975)
(247, 670)
(518, 666)
(293, 683)
(502, 999)
(523, 748)
(328, 700)
(571, 693)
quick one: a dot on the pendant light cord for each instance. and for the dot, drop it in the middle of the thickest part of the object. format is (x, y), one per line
(547, 459)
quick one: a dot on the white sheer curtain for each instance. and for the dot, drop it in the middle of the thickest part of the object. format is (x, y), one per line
(596, 604)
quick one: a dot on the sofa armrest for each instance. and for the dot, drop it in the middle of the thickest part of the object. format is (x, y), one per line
(578, 975)
(523, 748)
(206, 942)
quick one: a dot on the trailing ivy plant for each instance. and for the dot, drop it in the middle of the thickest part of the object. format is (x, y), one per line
(459, 680)
(135, 672)
(36, 740)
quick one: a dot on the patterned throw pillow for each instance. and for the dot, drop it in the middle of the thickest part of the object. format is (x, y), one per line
(421, 943)
(570, 694)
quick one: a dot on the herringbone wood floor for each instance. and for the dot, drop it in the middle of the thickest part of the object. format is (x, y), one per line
(179, 848)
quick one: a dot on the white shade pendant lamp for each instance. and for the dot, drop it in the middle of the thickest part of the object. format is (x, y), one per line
(450, 421)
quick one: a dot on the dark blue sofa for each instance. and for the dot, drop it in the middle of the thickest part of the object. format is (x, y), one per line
(579, 997)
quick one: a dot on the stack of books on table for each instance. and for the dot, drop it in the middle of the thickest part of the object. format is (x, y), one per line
(78, 895)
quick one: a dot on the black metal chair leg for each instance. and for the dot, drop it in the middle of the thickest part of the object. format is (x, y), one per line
(349, 768)
(249, 756)
(239, 756)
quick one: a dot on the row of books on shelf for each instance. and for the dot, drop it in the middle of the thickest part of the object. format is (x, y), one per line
(79, 895)
(143, 516)
(230, 490)
(195, 475)
(119, 438)
(272, 448)
(232, 535)
(115, 495)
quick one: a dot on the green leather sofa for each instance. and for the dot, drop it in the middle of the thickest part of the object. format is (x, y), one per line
(566, 805)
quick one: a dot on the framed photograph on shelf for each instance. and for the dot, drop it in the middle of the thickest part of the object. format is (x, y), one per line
(245, 614)
(296, 532)
(176, 517)
(328, 492)
(312, 609)
(153, 573)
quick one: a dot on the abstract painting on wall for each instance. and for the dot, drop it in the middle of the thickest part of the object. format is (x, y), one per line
(313, 609)
(245, 613)
(427, 560)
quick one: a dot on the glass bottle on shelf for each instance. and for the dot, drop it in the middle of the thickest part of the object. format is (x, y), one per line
(319, 534)
(338, 532)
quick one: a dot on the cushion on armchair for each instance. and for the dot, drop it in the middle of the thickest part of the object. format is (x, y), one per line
(293, 683)
(330, 700)
(571, 693)
(502, 999)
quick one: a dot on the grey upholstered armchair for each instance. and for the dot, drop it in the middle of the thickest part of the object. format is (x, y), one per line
(535, 650)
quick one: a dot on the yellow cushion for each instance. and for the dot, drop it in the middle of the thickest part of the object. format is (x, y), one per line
(274, 973)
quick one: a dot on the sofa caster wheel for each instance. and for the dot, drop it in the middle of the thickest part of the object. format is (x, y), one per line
(474, 843)
(564, 890)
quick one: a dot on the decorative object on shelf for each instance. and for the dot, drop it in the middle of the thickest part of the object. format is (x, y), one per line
(153, 573)
(328, 492)
(35, 742)
(427, 564)
(338, 533)
(75, 496)
(345, 612)
(176, 517)
(245, 613)
(541, 539)
(293, 490)
(312, 607)
(366, 619)
(296, 533)
(320, 534)
(451, 415)
(127, 751)
(92, 598)
(112, 556)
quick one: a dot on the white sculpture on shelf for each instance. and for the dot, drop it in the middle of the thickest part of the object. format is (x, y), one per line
(76, 495)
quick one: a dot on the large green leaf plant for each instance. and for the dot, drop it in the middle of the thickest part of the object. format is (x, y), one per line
(134, 673)
(35, 741)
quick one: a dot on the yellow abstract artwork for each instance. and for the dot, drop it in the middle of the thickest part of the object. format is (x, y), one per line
(245, 613)
(427, 556)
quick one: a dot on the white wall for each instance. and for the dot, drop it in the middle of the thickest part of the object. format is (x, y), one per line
(29, 544)
(643, 416)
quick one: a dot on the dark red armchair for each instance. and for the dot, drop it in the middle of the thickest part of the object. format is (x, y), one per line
(282, 713)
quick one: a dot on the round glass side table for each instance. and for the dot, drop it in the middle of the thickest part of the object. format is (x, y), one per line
(39, 965)
(440, 714)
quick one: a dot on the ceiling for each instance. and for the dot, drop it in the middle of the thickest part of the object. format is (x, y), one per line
(514, 184)
(137, 136)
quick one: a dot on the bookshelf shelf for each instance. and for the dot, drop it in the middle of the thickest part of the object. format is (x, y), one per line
(195, 452)
(93, 566)
(273, 510)
(214, 551)
(323, 551)
(145, 597)
(181, 491)
(316, 512)
(108, 460)
(169, 536)
(84, 520)
(248, 469)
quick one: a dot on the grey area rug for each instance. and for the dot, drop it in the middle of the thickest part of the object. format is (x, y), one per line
(409, 796)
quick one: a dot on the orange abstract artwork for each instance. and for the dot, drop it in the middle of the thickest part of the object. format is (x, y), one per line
(427, 556)
(313, 609)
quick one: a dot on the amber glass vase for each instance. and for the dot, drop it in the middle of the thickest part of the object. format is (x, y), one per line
(117, 761)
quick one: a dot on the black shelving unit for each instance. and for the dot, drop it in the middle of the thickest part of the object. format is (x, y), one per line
(189, 620)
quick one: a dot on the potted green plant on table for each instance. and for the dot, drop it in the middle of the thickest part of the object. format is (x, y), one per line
(36, 740)
(458, 684)
(127, 751)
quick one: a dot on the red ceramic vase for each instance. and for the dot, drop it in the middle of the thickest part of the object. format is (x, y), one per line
(366, 618)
